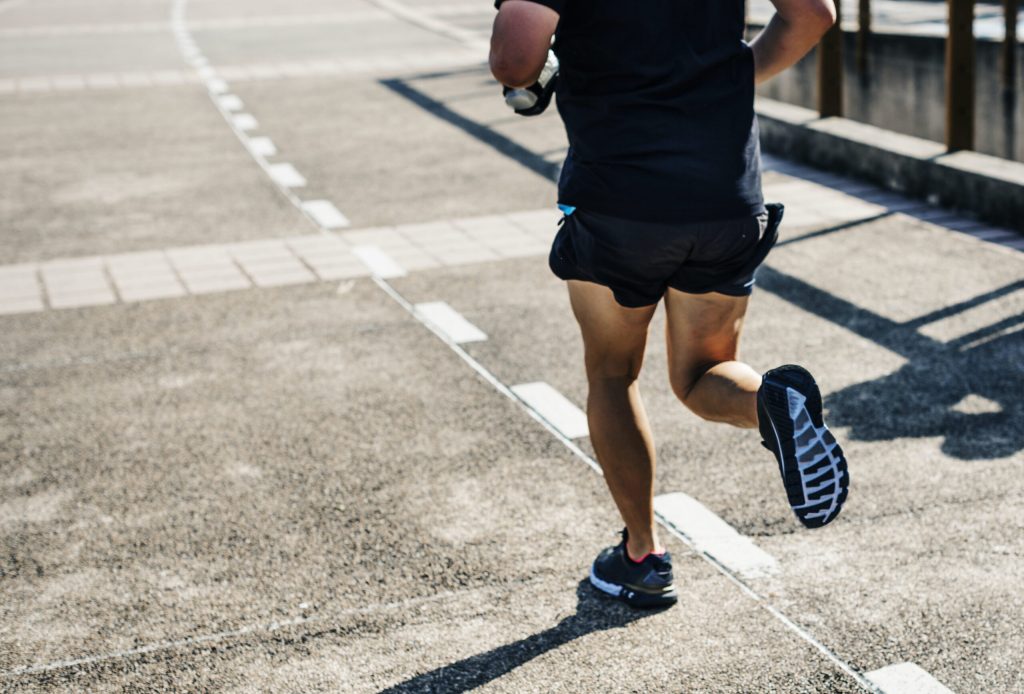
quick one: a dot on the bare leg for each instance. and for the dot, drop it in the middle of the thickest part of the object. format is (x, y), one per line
(614, 339)
(703, 335)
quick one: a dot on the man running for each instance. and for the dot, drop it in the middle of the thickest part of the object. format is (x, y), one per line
(661, 191)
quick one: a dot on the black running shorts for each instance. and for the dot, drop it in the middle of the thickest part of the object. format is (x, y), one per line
(638, 261)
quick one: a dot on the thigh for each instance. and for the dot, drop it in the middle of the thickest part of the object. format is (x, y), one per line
(614, 337)
(701, 330)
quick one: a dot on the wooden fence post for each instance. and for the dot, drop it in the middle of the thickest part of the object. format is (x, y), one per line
(830, 69)
(1009, 56)
(960, 76)
(864, 34)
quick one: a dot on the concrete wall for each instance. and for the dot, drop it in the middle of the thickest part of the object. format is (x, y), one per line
(904, 90)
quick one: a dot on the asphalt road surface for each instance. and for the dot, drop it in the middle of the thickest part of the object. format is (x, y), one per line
(274, 309)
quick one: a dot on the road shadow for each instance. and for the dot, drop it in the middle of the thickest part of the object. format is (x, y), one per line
(489, 136)
(594, 612)
(968, 390)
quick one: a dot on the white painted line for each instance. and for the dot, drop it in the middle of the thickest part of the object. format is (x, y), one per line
(710, 534)
(380, 263)
(191, 641)
(216, 86)
(286, 175)
(906, 678)
(450, 322)
(245, 121)
(261, 146)
(206, 72)
(558, 410)
(230, 102)
(759, 599)
(325, 213)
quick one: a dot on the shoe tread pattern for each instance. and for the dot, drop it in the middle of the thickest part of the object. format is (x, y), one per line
(811, 462)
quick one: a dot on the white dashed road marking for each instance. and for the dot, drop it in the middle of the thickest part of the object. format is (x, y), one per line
(710, 534)
(557, 409)
(286, 175)
(230, 102)
(906, 678)
(261, 147)
(450, 322)
(245, 121)
(325, 213)
(216, 85)
(380, 263)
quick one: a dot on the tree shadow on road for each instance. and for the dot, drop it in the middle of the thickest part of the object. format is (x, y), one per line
(968, 390)
(593, 613)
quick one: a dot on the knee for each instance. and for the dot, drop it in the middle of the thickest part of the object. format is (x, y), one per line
(683, 382)
(616, 369)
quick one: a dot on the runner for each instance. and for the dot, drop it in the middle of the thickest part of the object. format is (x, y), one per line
(661, 195)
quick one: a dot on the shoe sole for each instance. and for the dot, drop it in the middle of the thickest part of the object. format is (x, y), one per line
(811, 462)
(633, 598)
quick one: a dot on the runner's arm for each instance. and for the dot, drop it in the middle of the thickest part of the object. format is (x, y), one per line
(520, 41)
(795, 29)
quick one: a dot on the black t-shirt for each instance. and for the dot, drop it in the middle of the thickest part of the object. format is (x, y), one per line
(658, 103)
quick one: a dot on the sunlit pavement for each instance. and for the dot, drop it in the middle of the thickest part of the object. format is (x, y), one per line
(273, 276)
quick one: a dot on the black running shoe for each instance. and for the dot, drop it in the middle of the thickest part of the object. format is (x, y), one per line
(811, 462)
(647, 583)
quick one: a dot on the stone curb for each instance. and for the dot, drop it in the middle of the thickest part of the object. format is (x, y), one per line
(985, 186)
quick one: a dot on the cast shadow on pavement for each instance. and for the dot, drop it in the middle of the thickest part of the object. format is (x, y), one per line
(594, 612)
(967, 390)
(504, 145)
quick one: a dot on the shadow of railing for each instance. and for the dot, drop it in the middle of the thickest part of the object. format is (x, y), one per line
(919, 399)
(593, 613)
(504, 145)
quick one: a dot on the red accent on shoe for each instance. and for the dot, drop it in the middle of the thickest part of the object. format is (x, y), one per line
(641, 559)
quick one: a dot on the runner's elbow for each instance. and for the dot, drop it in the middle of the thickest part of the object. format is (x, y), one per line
(512, 71)
(821, 14)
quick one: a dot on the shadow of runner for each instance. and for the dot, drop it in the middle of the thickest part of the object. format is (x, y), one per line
(921, 398)
(593, 613)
